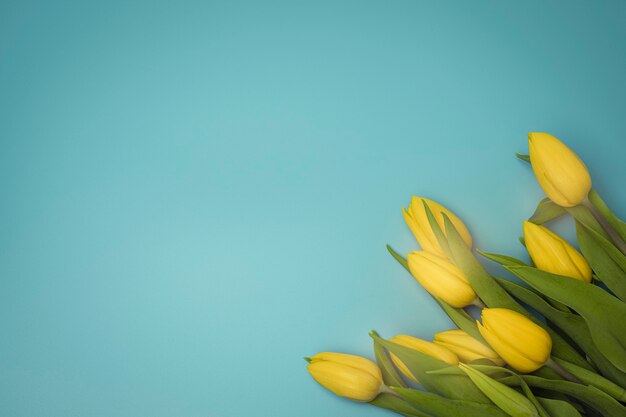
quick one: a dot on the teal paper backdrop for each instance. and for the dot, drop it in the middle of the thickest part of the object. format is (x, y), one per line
(197, 194)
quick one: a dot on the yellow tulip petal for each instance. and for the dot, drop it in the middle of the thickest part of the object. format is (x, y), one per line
(441, 278)
(417, 220)
(345, 380)
(553, 254)
(560, 172)
(428, 348)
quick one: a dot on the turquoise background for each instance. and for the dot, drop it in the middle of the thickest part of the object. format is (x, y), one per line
(195, 195)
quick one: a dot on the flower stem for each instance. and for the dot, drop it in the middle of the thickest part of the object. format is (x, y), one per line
(615, 237)
(551, 363)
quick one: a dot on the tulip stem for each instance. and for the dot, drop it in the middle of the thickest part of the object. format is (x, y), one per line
(478, 303)
(551, 363)
(615, 237)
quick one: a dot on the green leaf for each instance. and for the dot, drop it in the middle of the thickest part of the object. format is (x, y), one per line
(496, 370)
(391, 376)
(546, 211)
(398, 405)
(493, 295)
(501, 259)
(439, 406)
(441, 237)
(615, 222)
(589, 395)
(604, 314)
(591, 378)
(453, 387)
(605, 259)
(506, 398)
(480, 280)
(399, 258)
(558, 408)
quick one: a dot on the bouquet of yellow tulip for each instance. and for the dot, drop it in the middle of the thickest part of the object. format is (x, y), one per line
(551, 344)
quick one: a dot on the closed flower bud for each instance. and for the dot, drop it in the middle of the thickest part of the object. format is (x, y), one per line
(553, 254)
(349, 376)
(441, 278)
(560, 172)
(466, 347)
(417, 220)
(428, 348)
(524, 345)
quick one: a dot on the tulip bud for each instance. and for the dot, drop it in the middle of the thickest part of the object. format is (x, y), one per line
(524, 345)
(560, 172)
(417, 220)
(553, 254)
(349, 376)
(428, 348)
(466, 347)
(441, 278)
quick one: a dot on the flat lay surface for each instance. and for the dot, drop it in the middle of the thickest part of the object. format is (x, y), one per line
(196, 195)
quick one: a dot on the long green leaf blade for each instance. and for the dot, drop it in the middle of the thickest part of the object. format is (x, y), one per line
(605, 315)
(440, 406)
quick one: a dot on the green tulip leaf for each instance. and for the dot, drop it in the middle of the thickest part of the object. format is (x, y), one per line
(391, 376)
(506, 398)
(616, 223)
(393, 403)
(480, 280)
(591, 378)
(398, 258)
(453, 387)
(441, 237)
(605, 314)
(605, 259)
(440, 406)
(558, 408)
(495, 371)
(493, 295)
(593, 397)
(546, 211)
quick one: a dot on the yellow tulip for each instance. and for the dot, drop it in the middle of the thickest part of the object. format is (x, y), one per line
(553, 254)
(466, 347)
(441, 278)
(524, 345)
(560, 172)
(417, 221)
(349, 376)
(428, 348)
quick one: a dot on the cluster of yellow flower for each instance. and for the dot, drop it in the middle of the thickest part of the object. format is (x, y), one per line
(576, 358)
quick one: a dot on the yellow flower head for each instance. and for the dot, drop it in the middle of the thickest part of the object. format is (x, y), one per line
(428, 348)
(349, 376)
(417, 221)
(560, 172)
(441, 278)
(524, 345)
(553, 254)
(466, 347)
